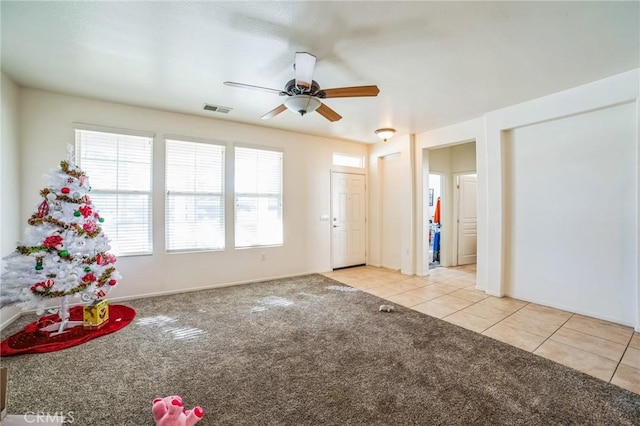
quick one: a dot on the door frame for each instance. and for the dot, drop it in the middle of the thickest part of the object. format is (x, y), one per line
(348, 171)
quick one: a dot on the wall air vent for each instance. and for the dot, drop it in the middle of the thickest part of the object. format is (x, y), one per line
(217, 108)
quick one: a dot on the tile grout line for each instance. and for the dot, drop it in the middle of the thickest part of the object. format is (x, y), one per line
(622, 357)
(593, 335)
(556, 330)
(474, 303)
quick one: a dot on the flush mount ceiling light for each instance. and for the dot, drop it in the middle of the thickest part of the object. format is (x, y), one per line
(302, 104)
(385, 133)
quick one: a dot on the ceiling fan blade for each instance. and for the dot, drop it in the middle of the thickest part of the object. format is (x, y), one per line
(349, 92)
(304, 65)
(328, 113)
(248, 86)
(277, 110)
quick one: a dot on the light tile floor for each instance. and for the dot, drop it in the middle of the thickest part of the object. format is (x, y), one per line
(605, 350)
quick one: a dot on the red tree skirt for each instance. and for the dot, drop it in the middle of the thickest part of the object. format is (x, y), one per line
(32, 340)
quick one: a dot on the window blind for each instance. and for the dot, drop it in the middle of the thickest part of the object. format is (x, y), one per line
(258, 197)
(119, 170)
(195, 196)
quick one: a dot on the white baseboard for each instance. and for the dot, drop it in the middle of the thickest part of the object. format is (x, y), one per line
(10, 320)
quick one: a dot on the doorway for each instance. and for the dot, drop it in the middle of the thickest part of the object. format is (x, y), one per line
(348, 219)
(434, 206)
(446, 164)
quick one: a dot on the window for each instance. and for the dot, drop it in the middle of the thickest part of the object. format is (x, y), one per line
(348, 160)
(195, 196)
(118, 166)
(258, 196)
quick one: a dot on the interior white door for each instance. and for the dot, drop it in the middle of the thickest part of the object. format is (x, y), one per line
(467, 219)
(348, 222)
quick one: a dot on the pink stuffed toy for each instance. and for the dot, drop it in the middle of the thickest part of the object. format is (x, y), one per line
(169, 411)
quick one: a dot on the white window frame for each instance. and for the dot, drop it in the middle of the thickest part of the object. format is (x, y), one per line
(348, 160)
(111, 223)
(194, 246)
(259, 195)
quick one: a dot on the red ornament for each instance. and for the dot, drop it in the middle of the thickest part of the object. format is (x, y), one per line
(42, 286)
(90, 226)
(85, 210)
(43, 209)
(52, 241)
(89, 278)
(113, 282)
(86, 199)
(101, 293)
(65, 190)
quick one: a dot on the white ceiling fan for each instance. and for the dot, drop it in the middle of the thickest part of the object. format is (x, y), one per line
(304, 94)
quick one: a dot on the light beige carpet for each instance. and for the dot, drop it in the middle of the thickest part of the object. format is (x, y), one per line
(306, 351)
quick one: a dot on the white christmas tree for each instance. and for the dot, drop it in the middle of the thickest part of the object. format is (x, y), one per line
(64, 254)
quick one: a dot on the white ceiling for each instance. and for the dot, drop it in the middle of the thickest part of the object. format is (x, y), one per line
(436, 63)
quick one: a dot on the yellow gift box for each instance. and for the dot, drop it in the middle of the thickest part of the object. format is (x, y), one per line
(96, 314)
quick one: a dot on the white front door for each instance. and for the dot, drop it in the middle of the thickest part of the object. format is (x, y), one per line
(348, 219)
(467, 219)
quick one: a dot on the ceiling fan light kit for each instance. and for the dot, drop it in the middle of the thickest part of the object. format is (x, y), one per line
(304, 94)
(302, 104)
(385, 133)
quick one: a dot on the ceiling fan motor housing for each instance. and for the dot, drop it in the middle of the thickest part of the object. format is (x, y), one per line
(291, 89)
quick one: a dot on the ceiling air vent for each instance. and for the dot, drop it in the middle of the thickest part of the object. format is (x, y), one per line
(217, 108)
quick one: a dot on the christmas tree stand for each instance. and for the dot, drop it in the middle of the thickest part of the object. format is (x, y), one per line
(65, 324)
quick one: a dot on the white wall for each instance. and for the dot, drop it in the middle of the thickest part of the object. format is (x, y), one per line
(402, 145)
(47, 127)
(390, 168)
(10, 222)
(569, 194)
(545, 115)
